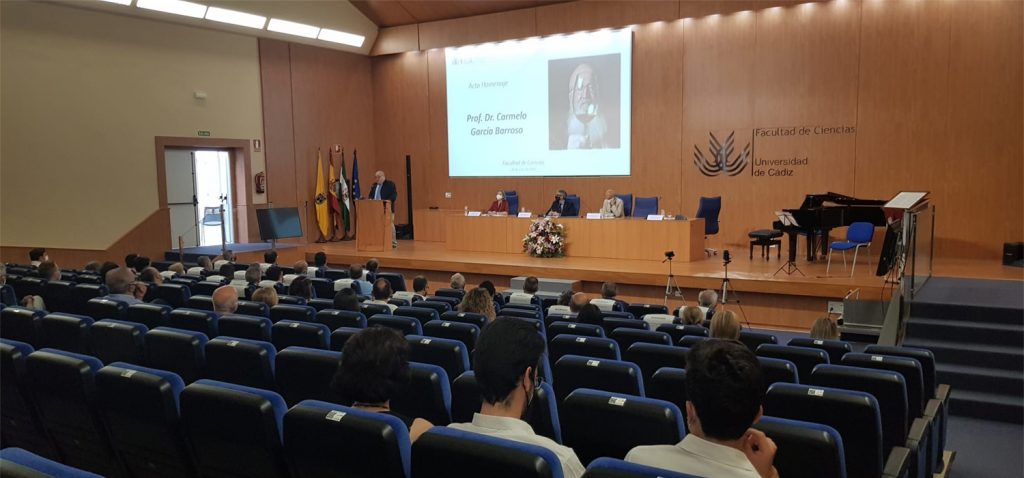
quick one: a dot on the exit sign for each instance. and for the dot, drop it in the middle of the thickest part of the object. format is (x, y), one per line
(203, 133)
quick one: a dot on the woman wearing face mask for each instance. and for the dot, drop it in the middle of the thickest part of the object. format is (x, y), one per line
(500, 206)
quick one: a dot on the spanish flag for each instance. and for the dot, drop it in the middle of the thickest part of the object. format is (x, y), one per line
(323, 217)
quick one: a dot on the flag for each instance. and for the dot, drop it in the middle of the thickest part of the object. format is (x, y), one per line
(322, 214)
(355, 175)
(346, 204)
(332, 188)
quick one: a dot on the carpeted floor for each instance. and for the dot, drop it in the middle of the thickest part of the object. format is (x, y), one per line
(985, 448)
(983, 292)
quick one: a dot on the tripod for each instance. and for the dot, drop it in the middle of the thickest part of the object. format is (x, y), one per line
(789, 268)
(671, 287)
(727, 287)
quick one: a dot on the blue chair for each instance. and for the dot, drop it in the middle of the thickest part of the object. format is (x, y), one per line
(557, 328)
(323, 288)
(103, 308)
(452, 453)
(17, 462)
(58, 295)
(513, 202)
(322, 439)
(287, 333)
(754, 339)
(248, 307)
(441, 306)
(405, 325)
(370, 310)
(451, 355)
(423, 314)
(708, 209)
(245, 326)
(835, 348)
(479, 320)
(204, 321)
(645, 206)
(626, 421)
(22, 324)
(611, 468)
(200, 302)
(334, 318)
(805, 449)
(341, 335)
(627, 204)
(778, 370)
(81, 293)
(805, 358)
(627, 337)
(176, 295)
(574, 200)
(678, 331)
(428, 396)
(395, 279)
(118, 341)
(177, 350)
(305, 374)
(574, 371)
(669, 384)
(21, 426)
(465, 333)
(66, 332)
(595, 347)
(858, 235)
(150, 315)
(7, 295)
(241, 361)
(651, 357)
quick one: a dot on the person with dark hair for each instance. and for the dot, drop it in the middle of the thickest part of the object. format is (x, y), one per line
(301, 286)
(271, 277)
(105, 268)
(270, 258)
(47, 271)
(561, 206)
(506, 362)
(608, 292)
(478, 301)
(358, 276)
(590, 314)
(372, 268)
(725, 390)
(320, 262)
(490, 288)
(562, 306)
(151, 275)
(419, 286)
(38, 256)
(374, 367)
(531, 285)
(577, 302)
(381, 294)
(141, 263)
(346, 299)
(224, 275)
(129, 260)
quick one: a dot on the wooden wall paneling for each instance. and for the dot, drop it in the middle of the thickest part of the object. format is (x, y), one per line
(396, 40)
(591, 15)
(479, 29)
(702, 8)
(279, 142)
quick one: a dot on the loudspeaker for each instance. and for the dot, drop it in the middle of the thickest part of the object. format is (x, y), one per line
(1013, 252)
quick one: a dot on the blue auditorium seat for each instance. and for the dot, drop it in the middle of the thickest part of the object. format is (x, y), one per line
(466, 401)
(282, 311)
(451, 355)
(640, 310)
(82, 292)
(428, 395)
(651, 357)
(669, 384)
(177, 350)
(612, 323)
(139, 406)
(645, 206)
(395, 279)
(465, 333)
(176, 295)
(320, 304)
(204, 288)
(245, 326)
(322, 288)
(248, 307)
(423, 314)
(612, 468)
(19, 419)
(103, 308)
(805, 358)
(438, 304)
(305, 374)
(835, 348)
(678, 331)
(235, 431)
(778, 370)
(625, 421)
(150, 315)
(323, 438)
(334, 318)
(285, 299)
(241, 361)
(204, 321)
(805, 449)
(66, 332)
(118, 341)
(572, 328)
(7, 295)
(22, 324)
(755, 339)
(596, 347)
(405, 325)
(58, 295)
(575, 371)
(200, 302)
(456, 294)
(340, 336)
(20, 463)
(690, 340)
(909, 368)
(370, 310)
(453, 453)
(303, 334)
(480, 320)
(626, 337)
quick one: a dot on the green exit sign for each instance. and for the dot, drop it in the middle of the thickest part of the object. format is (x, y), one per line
(203, 133)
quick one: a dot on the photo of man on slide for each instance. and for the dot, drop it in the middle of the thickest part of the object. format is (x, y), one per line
(583, 101)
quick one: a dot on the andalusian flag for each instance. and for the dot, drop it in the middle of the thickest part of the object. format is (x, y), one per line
(332, 188)
(322, 214)
(346, 204)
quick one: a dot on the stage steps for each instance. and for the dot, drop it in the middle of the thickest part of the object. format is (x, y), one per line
(979, 348)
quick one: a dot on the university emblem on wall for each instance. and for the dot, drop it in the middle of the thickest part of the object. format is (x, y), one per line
(720, 159)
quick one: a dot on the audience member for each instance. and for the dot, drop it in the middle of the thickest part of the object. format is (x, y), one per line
(151, 275)
(269, 259)
(320, 262)
(92, 267)
(590, 314)
(420, 286)
(706, 300)
(526, 297)
(565, 297)
(824, 328)
(225, 300)
(224, 274)
(228, 257)
(531, 285)
(37, 256)
(3, 274)
(506, 362)
(381, 294)
(271, 277)
(121, 286)
(178, 269)
(374, 367)
(725, 391)
(725, 326)
(577, 302)
(301, 286)
(253, 274)
(608, 292)
(48, 271)
(267, 295)
(346, 299)
(107, 267)
(691, 315)
(458, 281)
(301, 267)
(478, 301)
(141, 263)
(490, 288)
(372, 268)
(358, 276)
(205, 264)
(129, 260)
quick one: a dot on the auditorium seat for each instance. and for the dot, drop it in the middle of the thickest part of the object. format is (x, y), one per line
(323, 438)
(805, 449)
(118, 341)
(456, 294)
(644, 207)
(103, 308)
(335, 274)
(778, 370)
(21, 463)
(612, 323)
(596, 347)
(423, 314)
(26, 285)
(618, 315)
(651, 357)
(405, 325)
(204, 321)
(297, 312)
(428, 395)
(480, 320)
(395, 279)
(613, 468)
(835, 348)
(322, 288)
(465, 333)
(754, 339)
(341, 335)
(452, 302)
(640, 310)
(320, 304)
(22, 324)
(245, 327)
(176, 295)
(285, 299)
(204, 287)
(305, 374)
(451, 355)
(555, 329)
(370, 310)
(627, 337)
(177, 350)
(200, 302)
(248, 307)
(678, 331)
(63, 388)
(805, 358)
(689, 341)
(334, 318)
(287, 333)
(669, 384)
(575, 371)
(658, 320)
(438, 305)
(536, 323)
(139, 406)
(453, 453)
(624, 421)
(57, 294)
(909, 368)
(235, 430)
(241, 361)
(150, 315)
(19, 418)
(552, 317)
(66, 332)
(466, 401)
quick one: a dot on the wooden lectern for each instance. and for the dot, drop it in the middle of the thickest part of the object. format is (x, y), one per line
(373, 225)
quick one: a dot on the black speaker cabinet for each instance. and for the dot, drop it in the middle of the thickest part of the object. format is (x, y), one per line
(1013, 252)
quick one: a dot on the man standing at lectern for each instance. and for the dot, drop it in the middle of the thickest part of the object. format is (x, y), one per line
(383, 189)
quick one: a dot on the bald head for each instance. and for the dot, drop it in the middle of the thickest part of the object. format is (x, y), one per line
(119, 280)
(579, 299)
(225, 300)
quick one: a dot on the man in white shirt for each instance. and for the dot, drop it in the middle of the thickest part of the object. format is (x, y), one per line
(225, 300)
(613, 206)
(510, 348)
(724, 396)
(38, 256)
(381, 294)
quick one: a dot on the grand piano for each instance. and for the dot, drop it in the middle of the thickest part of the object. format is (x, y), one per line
(820, 213)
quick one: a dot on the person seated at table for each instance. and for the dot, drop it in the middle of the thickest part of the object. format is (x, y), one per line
(499, 207)
(561, 206)
(612, 206)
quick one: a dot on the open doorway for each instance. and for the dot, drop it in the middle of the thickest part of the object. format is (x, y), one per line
(198, 184)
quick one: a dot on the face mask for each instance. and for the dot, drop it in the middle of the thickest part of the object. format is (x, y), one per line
(559, 198)
(498, 197)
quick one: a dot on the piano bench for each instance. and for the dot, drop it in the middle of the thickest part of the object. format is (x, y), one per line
(765, 238)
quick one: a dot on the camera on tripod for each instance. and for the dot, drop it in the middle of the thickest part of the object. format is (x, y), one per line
(726, 258)
(670, 254)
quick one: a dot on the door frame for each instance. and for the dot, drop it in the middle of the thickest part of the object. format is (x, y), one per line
(240, 152)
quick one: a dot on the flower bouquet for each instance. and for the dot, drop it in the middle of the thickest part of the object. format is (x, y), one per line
(545, 239)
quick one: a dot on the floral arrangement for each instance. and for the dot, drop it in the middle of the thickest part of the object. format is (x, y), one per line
(545, 239)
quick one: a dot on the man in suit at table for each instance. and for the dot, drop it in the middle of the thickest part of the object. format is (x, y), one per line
(384, 189)
(561, 206)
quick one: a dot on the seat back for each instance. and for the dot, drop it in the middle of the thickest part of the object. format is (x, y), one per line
(513, 201)
(103, 308)
(575, 201)
(423, 314)
(176, 295)
(853, 414)
(612, 468)
(805, 449)
(66, 332)
(370, 310)
(574, 371)
(678, 331)
(557, 328)
(465, 333)
(20, 425)
(860, 232)
(29, 286)
(204, 321)
(8, 297)
(286, 299)
(669, 384)
(451, 355)
(753, 340)
(334, 318)
(305, 374)
(428, 395)
(612, 323)
(596, 347)
(835, 348)
(397, 280)
(438, 303)
(456, 294)
(645, 206)
(118, 341)
(58, 296)
(708, 209)
(234, 430)
(341, 335)
(651, 357)
(480, 320)
(627, 204)
(690, 340)
(406, 325)
(139, 406)
(22, 324)
(245, 327)
(629, 336)
(177, 350)
(200, 302)
(248, 307)
(888, 388)
(320, 304)
(455, 453)
(150, 315)
(81, 293)
(323, 288)
(282, 311)
(626, 421)
(908, 367)
(640, 310)
(287, 333)
(924, 357)
(778, 370)
(805, 358)
(321, 438)
(204, 288)
(241, 361)
(21, 463)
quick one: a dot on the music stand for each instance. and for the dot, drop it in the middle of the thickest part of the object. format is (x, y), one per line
(789, 267)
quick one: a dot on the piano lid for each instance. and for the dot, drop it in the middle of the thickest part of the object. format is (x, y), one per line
(813, 201)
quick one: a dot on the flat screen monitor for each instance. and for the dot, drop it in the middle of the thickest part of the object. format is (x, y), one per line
(279, 223)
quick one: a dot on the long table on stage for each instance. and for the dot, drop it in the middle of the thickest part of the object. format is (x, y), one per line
(627, 238)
